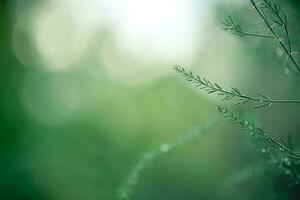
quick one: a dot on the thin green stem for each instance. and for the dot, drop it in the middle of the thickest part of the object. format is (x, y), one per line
(285, 101)
(283, 23)
(275, 35)
(285, 148)
(258, 35)
(270, 100)
(235, 28)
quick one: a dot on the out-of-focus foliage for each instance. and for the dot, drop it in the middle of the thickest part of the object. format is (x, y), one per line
(84, 95)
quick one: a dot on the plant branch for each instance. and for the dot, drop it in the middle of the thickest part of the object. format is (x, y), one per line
(258, 35)
(258, 132)
(235, 28)
(276, 10)
(282, 21)
(229, 94)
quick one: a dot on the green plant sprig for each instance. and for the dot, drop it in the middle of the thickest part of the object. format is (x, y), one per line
(275, 9)
(256, 131)
(280, 19)
(235, 28)
(210, 87)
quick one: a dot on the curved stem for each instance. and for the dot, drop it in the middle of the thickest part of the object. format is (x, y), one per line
(295, 155)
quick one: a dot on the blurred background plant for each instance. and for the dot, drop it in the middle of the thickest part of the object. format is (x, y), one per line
(87, 87)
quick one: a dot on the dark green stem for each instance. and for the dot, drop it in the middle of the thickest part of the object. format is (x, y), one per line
(275, 35)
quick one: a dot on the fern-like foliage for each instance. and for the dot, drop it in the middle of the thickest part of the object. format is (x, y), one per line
(202, 83)
(277, 150)
(280, 19)
(272, 16)
(277, 145)
(231, 26)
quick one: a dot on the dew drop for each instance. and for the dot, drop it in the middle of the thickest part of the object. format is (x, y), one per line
(281, 149)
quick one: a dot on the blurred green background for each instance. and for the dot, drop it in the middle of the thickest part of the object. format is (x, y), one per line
(87, 87)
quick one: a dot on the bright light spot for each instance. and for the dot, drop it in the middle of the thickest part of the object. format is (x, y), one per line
(130, 37)
(152, 36)
(156, 29)
(164, 147)
(150, 15)
(62, 34)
